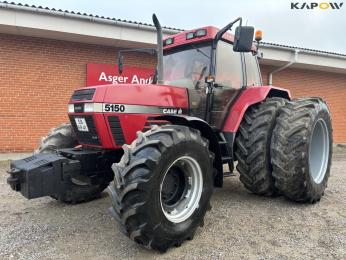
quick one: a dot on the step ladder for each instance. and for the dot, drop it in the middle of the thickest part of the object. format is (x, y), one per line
(226, 153)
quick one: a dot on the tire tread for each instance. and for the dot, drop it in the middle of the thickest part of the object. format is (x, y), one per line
(253, 146)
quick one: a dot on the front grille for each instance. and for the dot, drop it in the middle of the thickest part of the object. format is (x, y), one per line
(84, 94)
(117, 132)
(91, 137)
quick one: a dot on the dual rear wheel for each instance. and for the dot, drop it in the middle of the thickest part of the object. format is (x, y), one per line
(302, 148)
(285, 147)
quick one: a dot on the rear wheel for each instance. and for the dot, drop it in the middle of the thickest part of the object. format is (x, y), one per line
(162, 186)
(75, 190)
(252, 146)
(301, 149)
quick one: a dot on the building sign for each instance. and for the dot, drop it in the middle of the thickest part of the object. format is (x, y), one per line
(102, 74)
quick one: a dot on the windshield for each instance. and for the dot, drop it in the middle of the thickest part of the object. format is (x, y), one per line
(187, 67)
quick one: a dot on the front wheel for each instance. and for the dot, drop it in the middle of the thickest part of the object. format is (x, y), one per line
(162, 186)
(301, 149)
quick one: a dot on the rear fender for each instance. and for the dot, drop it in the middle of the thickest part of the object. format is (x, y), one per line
(208, 133)
(248, 97)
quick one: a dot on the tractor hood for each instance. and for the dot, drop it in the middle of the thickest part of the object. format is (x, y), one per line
(133, 97)
(109, 116)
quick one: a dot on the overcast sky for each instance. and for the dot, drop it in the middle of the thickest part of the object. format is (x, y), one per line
(316, 29)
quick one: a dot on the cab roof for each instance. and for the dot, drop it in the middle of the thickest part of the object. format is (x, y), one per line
(180, 39)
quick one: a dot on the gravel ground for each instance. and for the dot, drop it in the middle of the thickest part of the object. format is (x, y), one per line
(240, 225)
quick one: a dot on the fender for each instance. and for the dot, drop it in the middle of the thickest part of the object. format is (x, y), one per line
(248, 97)
(208, 133)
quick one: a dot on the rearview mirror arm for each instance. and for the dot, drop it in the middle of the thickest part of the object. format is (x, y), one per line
(217, 37)
(224, 30)
(150, 51)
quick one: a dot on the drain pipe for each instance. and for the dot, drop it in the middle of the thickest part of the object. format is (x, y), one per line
(294, 60)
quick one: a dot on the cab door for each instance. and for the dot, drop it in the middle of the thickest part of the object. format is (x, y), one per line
(228, 82)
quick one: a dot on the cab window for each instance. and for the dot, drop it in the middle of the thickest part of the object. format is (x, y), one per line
(228, 66)
(187, 67)
(252, 72)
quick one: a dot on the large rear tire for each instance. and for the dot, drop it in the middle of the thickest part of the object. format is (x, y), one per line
(301, 149)
(75, 191)
(252, 146)
(162, 186)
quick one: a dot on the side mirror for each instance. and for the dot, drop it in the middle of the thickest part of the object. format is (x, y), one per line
(243, 38)
(120, 63)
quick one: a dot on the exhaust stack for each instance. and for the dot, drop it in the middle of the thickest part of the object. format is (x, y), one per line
(159, 50)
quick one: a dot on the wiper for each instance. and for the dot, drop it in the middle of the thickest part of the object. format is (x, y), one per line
(200, 51)
(200, 77)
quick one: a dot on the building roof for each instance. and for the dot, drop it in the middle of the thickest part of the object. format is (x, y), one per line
(44, 22)
(7, 4)
(303, 49)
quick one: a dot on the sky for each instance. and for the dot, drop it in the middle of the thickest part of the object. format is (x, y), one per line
(316, 29)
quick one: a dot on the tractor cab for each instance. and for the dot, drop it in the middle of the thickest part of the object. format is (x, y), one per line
(196, 61)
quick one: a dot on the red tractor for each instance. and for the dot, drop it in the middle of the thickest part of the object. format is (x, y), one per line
(162, 148)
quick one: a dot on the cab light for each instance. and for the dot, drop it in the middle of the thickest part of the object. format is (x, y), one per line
(169, 41)
(190, 35)
(71, 108)
(201, 32)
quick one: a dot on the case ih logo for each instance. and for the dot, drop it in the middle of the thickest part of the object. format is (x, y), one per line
(315, 5)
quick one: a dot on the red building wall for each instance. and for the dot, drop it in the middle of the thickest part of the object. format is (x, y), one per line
(330, 86)
(37, 77)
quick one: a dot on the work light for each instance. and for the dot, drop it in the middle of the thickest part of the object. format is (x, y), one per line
(201, 32)
(169, 41)
(190, 35)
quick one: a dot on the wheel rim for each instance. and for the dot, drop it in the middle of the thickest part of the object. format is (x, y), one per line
(319, 151)
(181, 189)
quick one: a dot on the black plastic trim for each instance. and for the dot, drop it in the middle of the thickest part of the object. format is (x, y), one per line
(91, 137)
(83, 94)
(116, 130)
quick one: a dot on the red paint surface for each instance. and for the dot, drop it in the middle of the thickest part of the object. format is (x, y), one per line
(148, 95)
(102, 74)
(248, 97)
(180, 38)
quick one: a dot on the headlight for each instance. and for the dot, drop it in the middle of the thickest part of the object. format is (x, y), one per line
(71, 108)
(88, 107)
